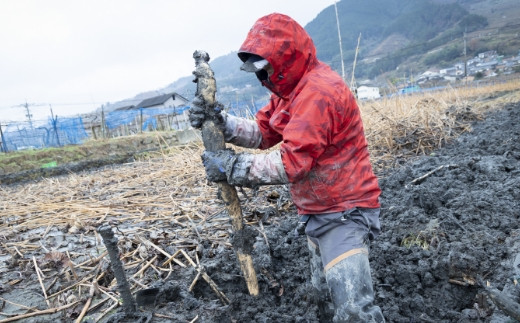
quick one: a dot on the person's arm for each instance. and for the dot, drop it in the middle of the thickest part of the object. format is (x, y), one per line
(249, 170)
(305, 138)
(252, 170)
(241, 132)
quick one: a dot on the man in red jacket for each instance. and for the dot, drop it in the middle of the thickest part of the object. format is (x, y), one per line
(323, 156)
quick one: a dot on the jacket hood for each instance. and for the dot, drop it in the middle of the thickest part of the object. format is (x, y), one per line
(286, 46)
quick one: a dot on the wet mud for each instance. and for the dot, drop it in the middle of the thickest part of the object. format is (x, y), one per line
(450, 224)
(445, 231)
(449, 220)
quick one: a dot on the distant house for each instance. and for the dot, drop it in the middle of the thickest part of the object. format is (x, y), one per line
(170, 100)
(488, 65)
(473, 62)
(368, 93)
(488, 54)
(450, 78)
(163, 112)
(172, 103)
(125, 108)
(448, 71)
(428, 76)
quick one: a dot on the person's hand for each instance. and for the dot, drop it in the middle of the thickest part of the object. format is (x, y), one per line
(216, 164)
(198, 113)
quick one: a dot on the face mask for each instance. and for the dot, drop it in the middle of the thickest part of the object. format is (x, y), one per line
(264, 75)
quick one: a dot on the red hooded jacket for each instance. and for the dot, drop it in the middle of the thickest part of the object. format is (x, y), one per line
(314, 114)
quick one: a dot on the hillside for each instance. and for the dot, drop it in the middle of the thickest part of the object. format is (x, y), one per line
(416, 21)
(399, 38)
(395, 33)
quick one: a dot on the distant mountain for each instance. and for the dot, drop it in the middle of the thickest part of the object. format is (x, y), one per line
(397, 37)
(412, 35)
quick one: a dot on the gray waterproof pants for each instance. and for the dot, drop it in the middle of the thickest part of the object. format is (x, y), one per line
(338, 246)
(339, 235)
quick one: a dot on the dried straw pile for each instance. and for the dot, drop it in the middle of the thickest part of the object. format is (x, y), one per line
(401, 127)
(163, 209)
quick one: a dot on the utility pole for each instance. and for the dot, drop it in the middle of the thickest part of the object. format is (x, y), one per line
(352, 84)
(140, 120)
(176, 118)
(103, 121)
(465, 59)
(28, 114)
(3, 143)
(340, 45)
(55, 126)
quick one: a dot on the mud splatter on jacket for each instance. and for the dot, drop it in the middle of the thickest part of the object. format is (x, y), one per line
(314, 114)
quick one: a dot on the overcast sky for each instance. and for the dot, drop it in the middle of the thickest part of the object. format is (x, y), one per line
(77, 55)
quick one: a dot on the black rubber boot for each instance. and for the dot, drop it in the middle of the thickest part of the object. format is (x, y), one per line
(351, 290)
(320, 290)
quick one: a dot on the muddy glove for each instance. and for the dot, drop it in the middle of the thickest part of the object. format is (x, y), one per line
(251, 170)
(242, 132)
(216, 163)
(198, 114)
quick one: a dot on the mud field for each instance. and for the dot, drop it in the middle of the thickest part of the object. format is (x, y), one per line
(450, 221)
(459, 223)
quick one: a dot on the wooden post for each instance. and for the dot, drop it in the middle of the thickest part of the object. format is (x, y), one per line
(213, 140)
(55, 126)
(176, 118)
(110, 241)
(103, 134)
(140, 120)
(3, 143)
